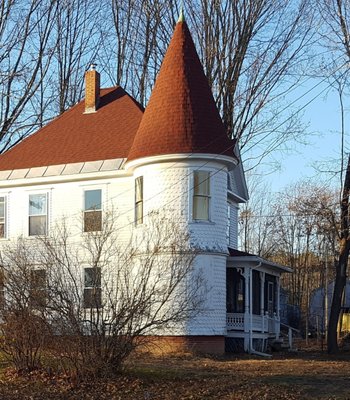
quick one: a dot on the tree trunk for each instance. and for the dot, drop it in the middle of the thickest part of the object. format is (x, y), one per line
(339, 284)
(340, 277)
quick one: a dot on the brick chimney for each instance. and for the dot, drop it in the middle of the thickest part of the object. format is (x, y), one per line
(92, 89)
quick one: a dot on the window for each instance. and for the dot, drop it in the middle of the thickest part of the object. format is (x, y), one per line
(229, 184)
(139, 200)
(228, 227)
(92, 287)
(37, 214)
(2, 217)
(37, 288)
(93, 210)
(201, 195)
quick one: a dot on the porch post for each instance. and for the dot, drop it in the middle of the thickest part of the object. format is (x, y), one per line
(262, 299)
(278, 296)
(246, 309)
(278, 325)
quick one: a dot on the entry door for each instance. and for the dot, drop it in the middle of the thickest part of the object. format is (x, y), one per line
(270, 298)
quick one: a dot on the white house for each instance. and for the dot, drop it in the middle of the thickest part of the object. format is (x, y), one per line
(175, 152)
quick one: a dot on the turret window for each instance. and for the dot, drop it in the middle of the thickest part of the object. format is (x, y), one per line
(139, 200)
(201, 195)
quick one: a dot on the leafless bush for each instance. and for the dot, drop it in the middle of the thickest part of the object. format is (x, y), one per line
(105, 294)
(24, 328)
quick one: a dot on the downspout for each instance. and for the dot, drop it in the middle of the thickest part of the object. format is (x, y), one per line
(251, 349)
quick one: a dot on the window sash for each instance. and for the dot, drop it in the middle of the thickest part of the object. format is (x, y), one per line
(92, 221)
(37, 225)
(93, 200)
(37, 204)
(201, 183)
(201, 208)
(92, 298)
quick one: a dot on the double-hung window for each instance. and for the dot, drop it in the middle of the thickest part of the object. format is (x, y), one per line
(139, 200)
(201, 196)
(2, 217)
(38, 288)
(92, 287)
(92, 210)
(38, 214)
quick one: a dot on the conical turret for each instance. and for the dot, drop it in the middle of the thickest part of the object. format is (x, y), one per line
(181, 116)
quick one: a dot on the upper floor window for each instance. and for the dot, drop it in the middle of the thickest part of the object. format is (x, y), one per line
(37, 214)
(228, 227)
(201, 195)
(229, 182)
(93, 210)
(139, 200)
(92, 287)
(2, 216)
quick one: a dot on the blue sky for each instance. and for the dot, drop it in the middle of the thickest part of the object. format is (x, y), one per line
(323, 140)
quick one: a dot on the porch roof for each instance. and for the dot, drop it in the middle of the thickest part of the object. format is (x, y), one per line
(242, 256)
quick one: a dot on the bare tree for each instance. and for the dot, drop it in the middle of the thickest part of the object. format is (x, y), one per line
(106, 295)
(26, 50)
(257, 220)
(341, 267)
(78, 40)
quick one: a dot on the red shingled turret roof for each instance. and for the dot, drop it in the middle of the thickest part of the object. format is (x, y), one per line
(77, 137)
(181, 116)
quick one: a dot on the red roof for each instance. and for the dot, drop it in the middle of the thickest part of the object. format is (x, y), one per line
(181, 116)
(77, 137)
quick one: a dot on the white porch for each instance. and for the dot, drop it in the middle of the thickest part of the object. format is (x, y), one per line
(253, 300)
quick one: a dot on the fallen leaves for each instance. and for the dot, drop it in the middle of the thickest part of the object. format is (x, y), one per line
(302, 376)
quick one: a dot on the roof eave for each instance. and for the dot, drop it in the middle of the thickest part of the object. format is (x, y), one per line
(257, 259)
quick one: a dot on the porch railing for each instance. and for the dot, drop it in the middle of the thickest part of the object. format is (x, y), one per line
(260, 323)
(235, 321)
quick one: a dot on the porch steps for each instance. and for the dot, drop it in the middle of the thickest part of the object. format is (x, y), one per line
(281, 344)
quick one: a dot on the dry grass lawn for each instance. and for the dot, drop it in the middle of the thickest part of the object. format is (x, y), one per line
(302, 375)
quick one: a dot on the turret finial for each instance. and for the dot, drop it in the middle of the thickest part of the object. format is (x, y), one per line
(181, 16)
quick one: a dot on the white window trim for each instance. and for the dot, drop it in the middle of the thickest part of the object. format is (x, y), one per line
(6, 216)
(87, 189)
(90, 287)
(191, 194)
(142, 201)
(46, 193)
